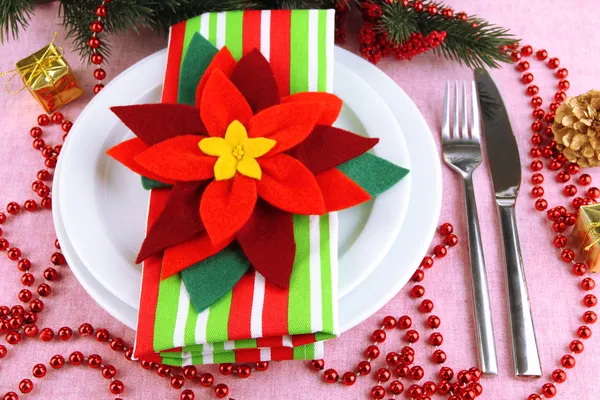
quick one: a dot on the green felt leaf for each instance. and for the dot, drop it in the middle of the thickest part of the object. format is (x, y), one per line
(197, 58)
(372, 173)
(150, 184)
(209, 280)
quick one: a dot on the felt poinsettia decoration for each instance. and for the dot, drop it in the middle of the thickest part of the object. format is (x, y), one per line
(241, 161)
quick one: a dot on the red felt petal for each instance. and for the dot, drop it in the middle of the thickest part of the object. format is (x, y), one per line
(289, 185)
(254, 78)
(268, 241)
(125, 153)
(183, 255)
(287, 124)
(222, 61)
(178, 159)
(178, 222)
(339, 191)
(226, 206)
(327, 147)
(332, 105)
(154, 123)
(222, 103)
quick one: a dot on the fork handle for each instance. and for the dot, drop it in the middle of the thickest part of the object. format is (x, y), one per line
(483, 312)
(525, 352)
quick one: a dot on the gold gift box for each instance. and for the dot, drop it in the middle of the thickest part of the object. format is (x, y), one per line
(49, 78)
(587, 235)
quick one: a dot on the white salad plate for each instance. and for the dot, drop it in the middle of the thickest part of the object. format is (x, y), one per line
(100, 207)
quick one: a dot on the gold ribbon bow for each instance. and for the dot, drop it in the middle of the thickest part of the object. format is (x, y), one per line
(34, 67)
(592, 226)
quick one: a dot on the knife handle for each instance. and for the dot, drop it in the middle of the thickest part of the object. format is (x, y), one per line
(481, 298)
(525, 352)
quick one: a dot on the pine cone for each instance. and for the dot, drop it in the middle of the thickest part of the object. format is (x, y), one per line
(576, 129)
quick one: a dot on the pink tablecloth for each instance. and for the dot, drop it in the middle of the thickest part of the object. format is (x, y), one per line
(565, 30)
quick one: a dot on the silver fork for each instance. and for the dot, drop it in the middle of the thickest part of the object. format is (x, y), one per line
(462, 153)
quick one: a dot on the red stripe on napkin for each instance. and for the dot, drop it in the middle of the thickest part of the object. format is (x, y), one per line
(171, 84)
(282, 353)
(273, 341)
(299, 340)
(275, 311)
(247, 355)
(251, 25)
(241, 308)
(150, 282)
(281, 22)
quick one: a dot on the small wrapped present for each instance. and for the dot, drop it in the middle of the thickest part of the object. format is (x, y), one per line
(587, 235)
(48, 77)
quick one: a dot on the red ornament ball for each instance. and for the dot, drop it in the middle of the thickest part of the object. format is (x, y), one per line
(187, 395)
(330, 376)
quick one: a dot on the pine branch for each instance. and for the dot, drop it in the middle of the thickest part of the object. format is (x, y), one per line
(399, 22)
(14, 15)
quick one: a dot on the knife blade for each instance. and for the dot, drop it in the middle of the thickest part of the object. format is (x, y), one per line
(505, 169)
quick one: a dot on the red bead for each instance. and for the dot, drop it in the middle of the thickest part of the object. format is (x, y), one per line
(227, 369)
(588, 284)
(109, 372)
(537, 191)
(101, 11)
(206, 379)
(364, 368)
(564, 85)
(439, 357)
(15, 322)
(535, 152)
(433, 322)
(392, 359)
(30, 330)
(415, 391)
(416, 373)
(189, 371)
(25, 386)
(261, 366)
(527, 78)
(378, 336)
(2, 351)
(549, 390)
(555, 165)
(407, 358)
(97, 88)
(526, 50)
(177, 382)
(432, 9)
(396, 387)
(11, 396)
(46, 335)
(383, 375)
(47, 203)
(97, 26)
(560, 96)
(4, 244)
(349, 378)
(317, 365)
(428, 261)
(568, 361)
(562, 73)
(57, 259)
(563, 177)
(417, 291)
(402, 370)
(50, 274)
(163, 370)
(66, 126)
(537, 179)
(43, 191)
(17, 310)
(538, 113)
(43, 120)
(378, 392)
(445, 229)
(554, 106)
(24, 264)
(39, 370)
(452, 240)
(86, 329)
(537, 126)
(576, 346)
(584, 179)
(30, 205)
(14, 254)
(24, 296)
(372, 352)
(187, 395)
(440, 251)
(536, 165)
(426, 306)
(412, 336)
(117, 344)
(444, 387)
(567, 255)
(515, 56)
(436, 339)
(553, 63)
(559, 376)
(13, 338)
(116, 387)
(590, 300)
(330, 376)
(35, 132)
(94, 42)
(418, 276)
(389, 322)
(590, 317)
(541, 204)
(584, 332)
(102, 335)
(99, 74)
(429, 388)
(243, 371)
(593, 193)
(38, 144)
(44, 290)
(221, 390)
(96, 59)
(541, 55)
(94, 361)
(560, 241)
(76, 358)
(418, 6)
(468, 394)
(57, 361)
(532, 90)
(13, 208)
(523, 66)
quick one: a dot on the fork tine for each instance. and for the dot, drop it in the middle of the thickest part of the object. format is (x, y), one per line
(475, 117)
(446, 115)
(455, 131)
(464, 127)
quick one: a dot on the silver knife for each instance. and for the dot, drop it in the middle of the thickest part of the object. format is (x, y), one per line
(505, 168)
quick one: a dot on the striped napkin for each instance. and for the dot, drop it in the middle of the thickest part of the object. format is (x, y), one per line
(256, 321)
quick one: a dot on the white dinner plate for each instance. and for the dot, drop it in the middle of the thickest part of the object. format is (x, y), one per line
(116, 223)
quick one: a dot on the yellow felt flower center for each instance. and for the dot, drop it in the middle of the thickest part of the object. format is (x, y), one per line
(237, 152)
